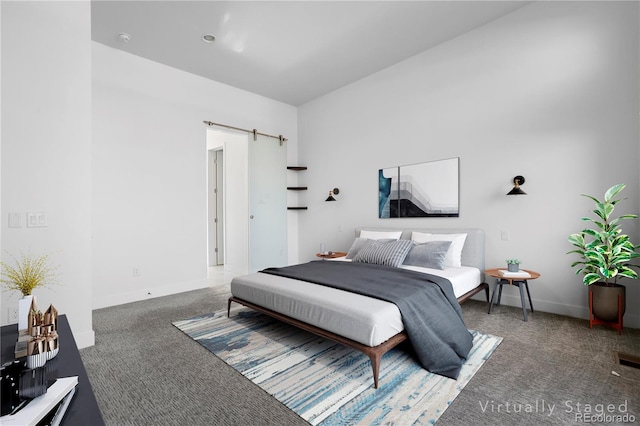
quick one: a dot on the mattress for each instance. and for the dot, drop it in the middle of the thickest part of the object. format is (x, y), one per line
(361, 318)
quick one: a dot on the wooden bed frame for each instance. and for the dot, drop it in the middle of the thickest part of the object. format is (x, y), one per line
(472, 255)
(374, 353)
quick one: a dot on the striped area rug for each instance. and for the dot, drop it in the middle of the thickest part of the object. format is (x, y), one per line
(327, 383)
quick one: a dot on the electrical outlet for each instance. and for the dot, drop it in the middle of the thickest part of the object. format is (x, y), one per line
(504, 235)
(13, 315)
(135, 271)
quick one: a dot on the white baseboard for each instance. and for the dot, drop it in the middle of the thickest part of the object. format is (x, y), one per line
(630, 320)
(149, 293)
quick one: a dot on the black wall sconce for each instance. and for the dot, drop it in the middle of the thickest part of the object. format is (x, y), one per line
(517, 181)
(334, 191)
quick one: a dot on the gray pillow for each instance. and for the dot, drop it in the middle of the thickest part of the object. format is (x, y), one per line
(390, 253)
(360, 243)
(428, 255)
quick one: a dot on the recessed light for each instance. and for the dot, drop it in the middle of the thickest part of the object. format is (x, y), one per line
(124, 37)
(208, 38)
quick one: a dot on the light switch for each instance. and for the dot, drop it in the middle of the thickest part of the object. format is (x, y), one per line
(15, 220)
(37, 220)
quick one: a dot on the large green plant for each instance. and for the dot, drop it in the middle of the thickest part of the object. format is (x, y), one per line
(605, 252)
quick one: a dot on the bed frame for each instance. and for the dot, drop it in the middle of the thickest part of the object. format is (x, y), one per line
(472, 255)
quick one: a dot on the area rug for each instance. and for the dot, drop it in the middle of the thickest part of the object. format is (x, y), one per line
(326, 383)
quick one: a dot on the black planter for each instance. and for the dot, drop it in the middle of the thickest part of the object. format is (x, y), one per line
(605, 301)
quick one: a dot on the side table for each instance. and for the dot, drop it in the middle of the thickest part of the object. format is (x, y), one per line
(332, 255)
(519, 282)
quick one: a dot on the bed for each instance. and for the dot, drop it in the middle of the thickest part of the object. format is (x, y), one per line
(363, 322)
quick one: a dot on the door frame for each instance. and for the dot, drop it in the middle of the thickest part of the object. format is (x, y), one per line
(215, 206)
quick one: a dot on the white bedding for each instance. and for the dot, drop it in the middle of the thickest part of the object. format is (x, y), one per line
(361, 318)
(463, 279)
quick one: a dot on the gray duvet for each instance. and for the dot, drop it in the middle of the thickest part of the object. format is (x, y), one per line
(430, 311)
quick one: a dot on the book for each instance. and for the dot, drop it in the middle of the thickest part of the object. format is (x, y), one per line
(519, 274)
(54, 418)
(39, 408)
(20, 349)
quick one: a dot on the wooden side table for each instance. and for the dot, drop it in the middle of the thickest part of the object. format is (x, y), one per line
(520, 282)
(332, 255)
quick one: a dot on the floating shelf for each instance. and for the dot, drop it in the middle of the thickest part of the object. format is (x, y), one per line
(297, 188)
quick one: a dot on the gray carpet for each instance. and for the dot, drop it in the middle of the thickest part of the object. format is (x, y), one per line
(145, 371)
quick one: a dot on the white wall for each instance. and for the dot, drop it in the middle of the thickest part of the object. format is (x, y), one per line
(542, 92)
(46, 148)
(149, 174)
(548, 92)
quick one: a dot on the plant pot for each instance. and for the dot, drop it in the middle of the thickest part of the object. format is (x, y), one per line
(513, 267)
(605, 301)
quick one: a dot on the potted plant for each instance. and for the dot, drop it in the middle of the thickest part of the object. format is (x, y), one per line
(513, 265)
(29, 273)
(605, 255)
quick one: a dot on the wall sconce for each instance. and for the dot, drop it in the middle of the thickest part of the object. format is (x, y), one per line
(334, 191)
(517, 181)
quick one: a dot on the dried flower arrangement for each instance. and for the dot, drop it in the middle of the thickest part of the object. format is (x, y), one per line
(29, 273)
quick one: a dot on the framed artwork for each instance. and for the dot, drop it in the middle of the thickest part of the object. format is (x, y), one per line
(428, 189)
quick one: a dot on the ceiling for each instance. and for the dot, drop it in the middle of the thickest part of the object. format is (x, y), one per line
(290, 51)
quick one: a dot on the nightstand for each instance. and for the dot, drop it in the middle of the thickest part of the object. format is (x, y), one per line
(521, 282)
(332, 254)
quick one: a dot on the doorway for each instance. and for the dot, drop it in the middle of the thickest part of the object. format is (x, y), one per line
(247, 191)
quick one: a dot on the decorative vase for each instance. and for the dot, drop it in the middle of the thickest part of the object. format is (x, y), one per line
(605, 301)
(513, 267)
(24, 305)
(52, 354)
(52, 347)
(37, 360)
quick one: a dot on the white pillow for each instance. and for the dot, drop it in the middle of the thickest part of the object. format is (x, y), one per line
(454, 254)
(379, 235)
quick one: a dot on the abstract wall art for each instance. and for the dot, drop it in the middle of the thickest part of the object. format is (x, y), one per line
(429, 189)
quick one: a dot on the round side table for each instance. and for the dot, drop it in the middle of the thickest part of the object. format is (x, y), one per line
(503, 277)
(333, 254)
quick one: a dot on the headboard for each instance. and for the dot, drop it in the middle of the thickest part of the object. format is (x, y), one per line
(472, 252)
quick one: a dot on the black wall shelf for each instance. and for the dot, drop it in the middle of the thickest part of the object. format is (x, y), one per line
(297, 188)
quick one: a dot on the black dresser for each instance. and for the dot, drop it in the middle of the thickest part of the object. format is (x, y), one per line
(84, 407)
